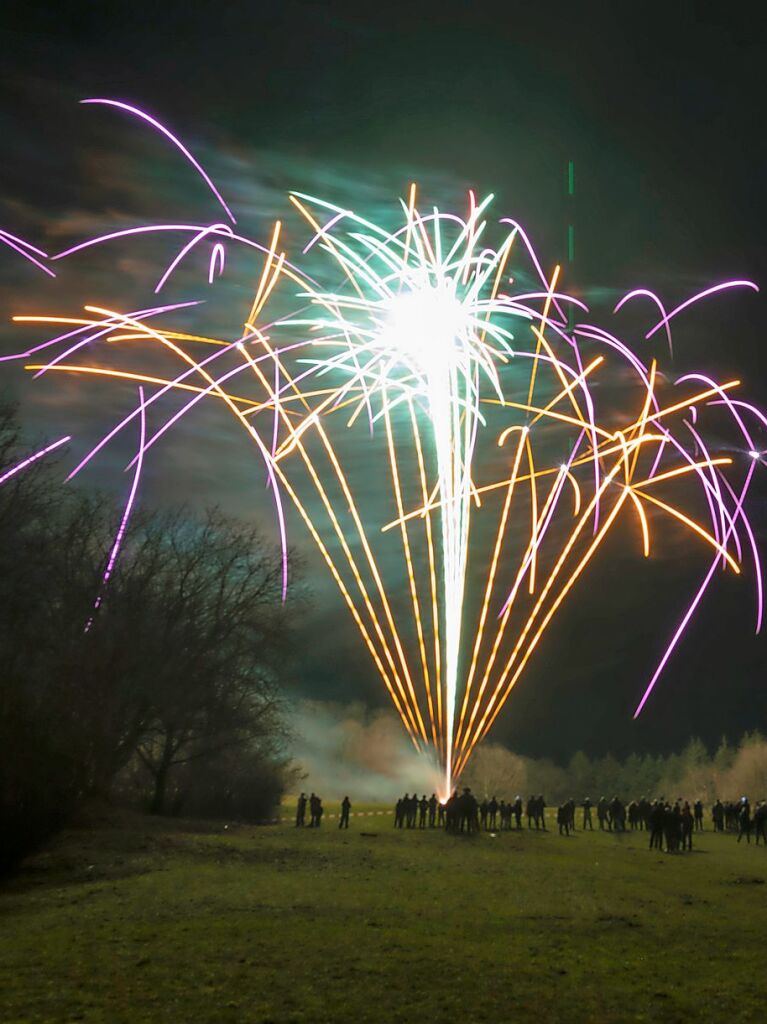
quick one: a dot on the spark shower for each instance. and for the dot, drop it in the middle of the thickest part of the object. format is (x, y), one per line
(473, 391)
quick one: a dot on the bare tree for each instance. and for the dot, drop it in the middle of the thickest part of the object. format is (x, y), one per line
(181, 661)
(222, 634)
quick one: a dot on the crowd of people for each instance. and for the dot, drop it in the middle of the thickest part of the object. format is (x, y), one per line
(669, 825)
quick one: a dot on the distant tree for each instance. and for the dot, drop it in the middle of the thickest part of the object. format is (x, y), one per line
(631, 782)
(495, 771)
(546, 777)
(747, 774)
(723, 757)
(651, 774)
(580, 776)
(607, 772)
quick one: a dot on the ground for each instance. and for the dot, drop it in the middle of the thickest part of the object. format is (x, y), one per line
(146, 920)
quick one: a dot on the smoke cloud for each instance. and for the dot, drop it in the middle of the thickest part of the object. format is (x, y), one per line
(348, 749)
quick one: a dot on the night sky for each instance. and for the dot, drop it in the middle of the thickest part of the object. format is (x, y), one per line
(659, 106)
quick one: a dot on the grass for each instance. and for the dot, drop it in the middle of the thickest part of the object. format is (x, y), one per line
(145, 921)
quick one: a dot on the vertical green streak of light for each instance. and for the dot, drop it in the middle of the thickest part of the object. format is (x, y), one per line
(570, 227)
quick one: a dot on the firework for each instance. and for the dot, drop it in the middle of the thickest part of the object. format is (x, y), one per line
(445, 357)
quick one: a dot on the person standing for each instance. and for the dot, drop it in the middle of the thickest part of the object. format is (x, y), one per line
(412, 810)
(633, 815)
(617, 815)
(433, 810)
(717, 816)
(483, 813)
(423, 808)
(657, 815)
(744, 820)
(517, 810)
(688, 826)
(563, 819)
(346, 806)
(540, 813)
(398, 814)
(760, 822)
(571, 813)
(672, 827)
(602, 812)
(406, 810)
(587, 814)
(301, 811)
(452, 812)
(698, 813)
(313, 801)
(530, 811)
(492, 813)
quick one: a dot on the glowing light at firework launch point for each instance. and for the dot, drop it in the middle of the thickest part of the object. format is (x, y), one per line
(480, 397)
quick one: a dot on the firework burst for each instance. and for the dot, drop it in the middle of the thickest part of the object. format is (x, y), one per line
(508, 468)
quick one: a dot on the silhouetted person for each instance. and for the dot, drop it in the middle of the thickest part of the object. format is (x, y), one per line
(423, 808)
(313, 805)
(760, 822)
(656, 822)
(633, 815)
(346, 806)
(530, 811)
(406, 810)
(315, 811)
(688, 827)
(399, 813)
(602, 812)
(645, 807)
(517, 809)
(563, 819)
(744, 820)
(433, 810)
(412, 811)
(492, 812)
(301, 811)
(452, 812)
(540, 816)
(717, 816)
(469, 811)
(698, 814)
(571, 813)
(672, 827)
(441, 807)
(587, 814)
(617, 815)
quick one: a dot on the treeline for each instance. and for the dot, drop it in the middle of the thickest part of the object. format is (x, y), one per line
(694, 773)
(161, 688)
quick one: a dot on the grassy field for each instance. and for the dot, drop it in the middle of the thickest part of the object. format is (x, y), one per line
(149, 921)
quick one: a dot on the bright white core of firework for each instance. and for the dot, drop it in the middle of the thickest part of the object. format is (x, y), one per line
(426, 326)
